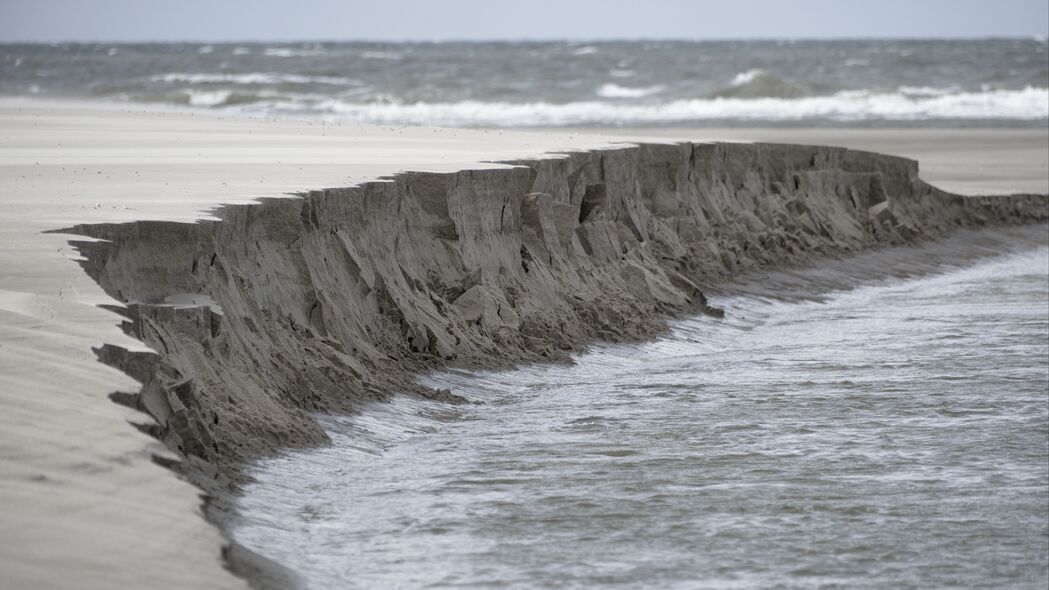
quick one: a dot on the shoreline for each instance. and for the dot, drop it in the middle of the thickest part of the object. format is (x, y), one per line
(156, 263)
(381, 429)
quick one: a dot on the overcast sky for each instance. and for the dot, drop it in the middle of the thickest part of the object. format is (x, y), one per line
(262, 20)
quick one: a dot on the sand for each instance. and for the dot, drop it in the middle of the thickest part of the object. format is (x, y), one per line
(82, 500)
(963, 161)
(84, 503)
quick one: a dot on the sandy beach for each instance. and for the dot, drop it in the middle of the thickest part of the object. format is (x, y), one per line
(84, 498)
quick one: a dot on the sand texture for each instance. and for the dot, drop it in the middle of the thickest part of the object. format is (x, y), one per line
(962, 161)
(235, 325)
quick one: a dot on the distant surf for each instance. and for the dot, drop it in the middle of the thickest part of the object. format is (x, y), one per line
(871, 82)
(1030, 104)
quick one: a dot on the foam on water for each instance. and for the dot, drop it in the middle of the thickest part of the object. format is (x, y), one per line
(617, 91)
(251, 78)
(877, 422)
(747, 77)
(1021, 105)
(209, 99)
(291, 52)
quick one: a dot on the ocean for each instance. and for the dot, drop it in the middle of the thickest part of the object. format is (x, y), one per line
(874, 422)
(931, 83)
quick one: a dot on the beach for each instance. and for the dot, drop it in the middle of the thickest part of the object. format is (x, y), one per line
(85, 497)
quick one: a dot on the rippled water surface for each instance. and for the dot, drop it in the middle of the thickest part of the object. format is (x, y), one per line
(894, 434)
(894, 82)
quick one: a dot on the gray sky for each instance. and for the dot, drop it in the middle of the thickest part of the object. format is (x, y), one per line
(244, 20)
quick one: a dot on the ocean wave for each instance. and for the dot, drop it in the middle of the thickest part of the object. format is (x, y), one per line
(758, 83)
(209, 99)
(748, 76)
(928, 90)
(617, 91)
(1028, 104)
(261, 101)
(389, 55)
(251, 78)
(291, 52)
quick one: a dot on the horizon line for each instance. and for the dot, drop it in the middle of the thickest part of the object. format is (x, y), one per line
(84, 41)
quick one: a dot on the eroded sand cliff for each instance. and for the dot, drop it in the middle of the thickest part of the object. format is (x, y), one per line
(318, 304)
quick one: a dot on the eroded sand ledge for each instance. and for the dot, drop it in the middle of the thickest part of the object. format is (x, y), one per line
(318, 304)
(84, 501)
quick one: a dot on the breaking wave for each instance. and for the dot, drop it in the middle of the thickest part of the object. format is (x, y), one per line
(1029, 104)
(292, 52)
(758, 83)
(253, 78)
(617, 91)
(747, 77)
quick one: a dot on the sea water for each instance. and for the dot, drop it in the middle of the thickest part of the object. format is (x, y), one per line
(878, 422)
(889, 82)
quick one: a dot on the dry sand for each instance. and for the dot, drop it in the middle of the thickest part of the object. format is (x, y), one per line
(962, 161)
(81, 502)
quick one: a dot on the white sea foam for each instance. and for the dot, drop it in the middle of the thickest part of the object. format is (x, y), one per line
(292, 52)
(621, 73)
(215, 98)
(585, 50)
(930, 90)
(747, 77)
(251, 78)
(1028, 104)
(617, 91)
